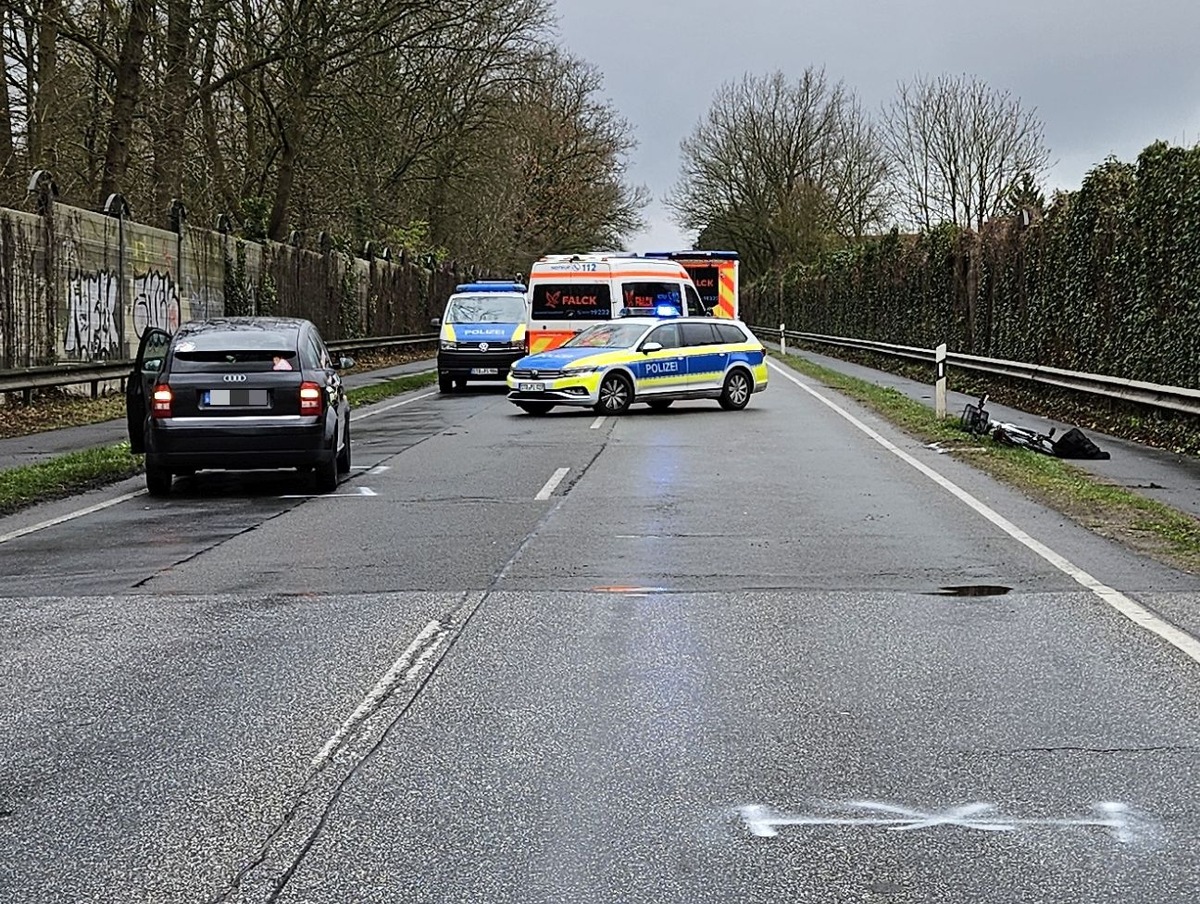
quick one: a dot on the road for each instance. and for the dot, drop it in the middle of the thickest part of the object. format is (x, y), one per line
(784, 654)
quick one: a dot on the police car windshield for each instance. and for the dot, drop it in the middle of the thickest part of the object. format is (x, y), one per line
(486, 309)
(608, 335)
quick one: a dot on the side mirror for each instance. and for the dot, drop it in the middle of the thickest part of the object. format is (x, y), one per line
(435, 321)
(649, 347)
(344, 363)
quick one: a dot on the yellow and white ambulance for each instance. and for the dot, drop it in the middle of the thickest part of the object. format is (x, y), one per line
(570, 292)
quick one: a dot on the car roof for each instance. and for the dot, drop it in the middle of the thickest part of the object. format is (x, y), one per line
(244, 325)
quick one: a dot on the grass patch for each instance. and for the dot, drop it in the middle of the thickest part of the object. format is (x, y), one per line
(1142, 524)
(66, 475)
(377, 392)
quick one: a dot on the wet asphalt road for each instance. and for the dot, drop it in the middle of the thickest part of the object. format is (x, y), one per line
(716, 664)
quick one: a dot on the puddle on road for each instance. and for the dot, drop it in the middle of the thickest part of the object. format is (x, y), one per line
(973, 590)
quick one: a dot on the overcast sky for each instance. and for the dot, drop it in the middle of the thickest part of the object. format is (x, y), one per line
(1105, 77)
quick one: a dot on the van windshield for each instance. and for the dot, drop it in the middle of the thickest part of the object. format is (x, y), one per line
(486, 309)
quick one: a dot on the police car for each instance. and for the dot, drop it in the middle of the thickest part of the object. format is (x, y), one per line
(483, 331)
(655, 360)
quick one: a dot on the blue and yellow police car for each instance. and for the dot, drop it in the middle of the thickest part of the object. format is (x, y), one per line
(653, 360)
(483, 331)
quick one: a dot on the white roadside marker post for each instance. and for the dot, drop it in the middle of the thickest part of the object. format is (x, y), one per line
(782, 341)
(939, 394)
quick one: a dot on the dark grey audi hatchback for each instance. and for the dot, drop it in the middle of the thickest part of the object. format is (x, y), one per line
(238, 393)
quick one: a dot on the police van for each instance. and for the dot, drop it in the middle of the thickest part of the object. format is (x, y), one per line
(570, 292)
(483, 331)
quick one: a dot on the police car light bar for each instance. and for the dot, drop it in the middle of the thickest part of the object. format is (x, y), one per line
(491, 285)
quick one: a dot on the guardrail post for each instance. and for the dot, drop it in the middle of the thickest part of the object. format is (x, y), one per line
(939, 392)
(782, 341)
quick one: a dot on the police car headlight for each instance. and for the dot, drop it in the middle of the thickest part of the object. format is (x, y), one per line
(586, 369)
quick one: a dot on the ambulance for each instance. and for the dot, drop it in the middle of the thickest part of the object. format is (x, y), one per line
(570, 292)
(715, 274)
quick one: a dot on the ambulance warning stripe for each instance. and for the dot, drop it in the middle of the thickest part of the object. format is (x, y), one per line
(598, 275)
(725, 295)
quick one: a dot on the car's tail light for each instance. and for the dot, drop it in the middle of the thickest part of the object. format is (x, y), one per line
(160, 401)
(311, 398)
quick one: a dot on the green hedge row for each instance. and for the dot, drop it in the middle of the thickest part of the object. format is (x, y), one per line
(1106, 281)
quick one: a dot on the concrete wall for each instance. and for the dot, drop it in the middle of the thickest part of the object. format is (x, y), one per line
(82, 286)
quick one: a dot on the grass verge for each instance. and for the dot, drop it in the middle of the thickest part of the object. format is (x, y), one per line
(77, 472)
(66, 475)
(377, 392)
(1144, 525)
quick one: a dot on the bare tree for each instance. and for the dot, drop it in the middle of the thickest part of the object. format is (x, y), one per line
(957, 149)
(777, 168)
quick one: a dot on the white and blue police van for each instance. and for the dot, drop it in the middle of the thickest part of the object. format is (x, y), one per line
(483, 331)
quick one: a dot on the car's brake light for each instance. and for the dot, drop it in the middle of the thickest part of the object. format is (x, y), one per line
(160, 401)
(310, 398)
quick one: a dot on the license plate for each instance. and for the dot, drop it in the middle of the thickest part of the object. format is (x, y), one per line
(235, 398)
(485, 371)
(531, 387)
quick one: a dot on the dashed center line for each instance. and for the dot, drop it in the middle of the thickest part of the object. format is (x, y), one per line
(555, 479)
(598, 421)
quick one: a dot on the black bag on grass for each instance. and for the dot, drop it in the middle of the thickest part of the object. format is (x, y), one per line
(1073, 444)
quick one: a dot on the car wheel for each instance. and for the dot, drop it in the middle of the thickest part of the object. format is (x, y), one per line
(535, 407)
(158, 480)
(616, 395)
(325, 474)
(343, 457)
(445, 384)
(660, 404)
(736, 391)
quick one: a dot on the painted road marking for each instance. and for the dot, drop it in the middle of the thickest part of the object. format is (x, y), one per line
(554, 481)
(403, 669)
(1119, 819)
(1135, 612)
(387, 408)
(357, 494)
(598, 421)
(61, 519)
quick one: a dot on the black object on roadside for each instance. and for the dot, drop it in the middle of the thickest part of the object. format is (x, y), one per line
(1072, 444)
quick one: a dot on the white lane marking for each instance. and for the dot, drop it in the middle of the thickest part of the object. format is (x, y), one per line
(1124, 825)
(379, 469)
(357, 494)
(387, 408)
(61, 519)
(1135, 612)
(598, 421)
(554, 481)
(426, 644)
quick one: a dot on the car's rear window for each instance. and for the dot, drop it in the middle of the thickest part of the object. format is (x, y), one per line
(234, 351)
(730, 333)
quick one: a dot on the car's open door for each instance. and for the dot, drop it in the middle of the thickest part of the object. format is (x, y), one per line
(152, 354)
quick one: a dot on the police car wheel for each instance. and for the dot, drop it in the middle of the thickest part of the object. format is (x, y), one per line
(736, 391)
(616, 395)
(660, 404)
(535, 407)
(445, 384)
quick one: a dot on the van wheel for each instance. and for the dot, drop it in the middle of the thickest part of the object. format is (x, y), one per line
(534, 407)
(660, 404)
(616, 395)
(736, 391)
(158, 480)
(445, 384)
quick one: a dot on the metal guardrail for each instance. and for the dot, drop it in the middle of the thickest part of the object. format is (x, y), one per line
(1154, 395)
(30, 378)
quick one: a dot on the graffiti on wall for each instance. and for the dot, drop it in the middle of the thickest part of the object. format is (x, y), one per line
(155, 302)
(93, 326)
